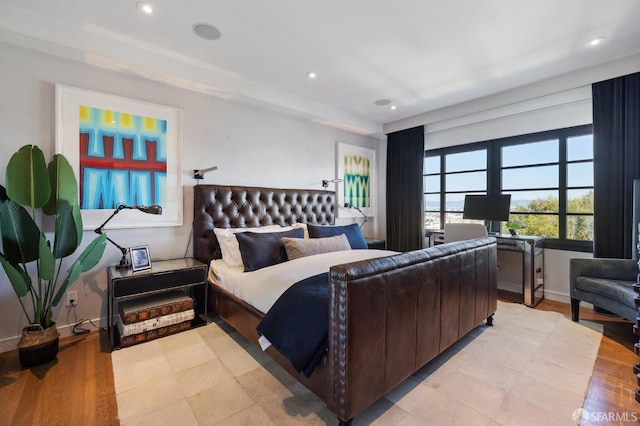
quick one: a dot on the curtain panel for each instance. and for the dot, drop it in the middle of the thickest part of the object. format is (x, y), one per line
(616, 158)
(405, 210)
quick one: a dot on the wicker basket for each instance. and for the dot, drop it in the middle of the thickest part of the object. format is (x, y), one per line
(38, 345)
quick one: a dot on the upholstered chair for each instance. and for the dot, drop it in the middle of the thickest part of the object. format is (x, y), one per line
(605, 283)
(463, 231)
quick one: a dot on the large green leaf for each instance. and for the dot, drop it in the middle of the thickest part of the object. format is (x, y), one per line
(66, 238)
(72, 276)
(18, 279)
(27, 177)
(20, 234)
(89, 258)
(92, 254)
(47, 264)
(63, 185)
(3, 194)
(77, 217)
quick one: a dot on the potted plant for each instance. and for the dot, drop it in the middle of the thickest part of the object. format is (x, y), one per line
(32, 263)
(516, 226)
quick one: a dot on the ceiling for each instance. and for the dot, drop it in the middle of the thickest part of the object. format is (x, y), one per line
(421, 55)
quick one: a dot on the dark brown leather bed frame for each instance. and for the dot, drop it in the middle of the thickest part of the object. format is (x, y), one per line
(387, 317)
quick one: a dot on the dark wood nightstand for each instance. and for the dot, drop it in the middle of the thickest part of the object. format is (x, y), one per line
(375, 243)
(187, 274)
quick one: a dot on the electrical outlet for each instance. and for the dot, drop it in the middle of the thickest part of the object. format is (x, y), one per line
(72, 298)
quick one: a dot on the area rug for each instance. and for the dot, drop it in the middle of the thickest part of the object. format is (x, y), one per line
(531, 368)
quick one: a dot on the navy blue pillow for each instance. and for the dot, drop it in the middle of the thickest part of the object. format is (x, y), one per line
(352, 232)
(259, 250)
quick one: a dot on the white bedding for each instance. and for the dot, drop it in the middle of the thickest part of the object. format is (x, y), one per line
(263, 287)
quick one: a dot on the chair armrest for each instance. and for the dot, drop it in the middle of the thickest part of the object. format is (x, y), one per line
(615, 269)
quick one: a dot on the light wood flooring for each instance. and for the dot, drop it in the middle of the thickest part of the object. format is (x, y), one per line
(77, 387)
(613, 384)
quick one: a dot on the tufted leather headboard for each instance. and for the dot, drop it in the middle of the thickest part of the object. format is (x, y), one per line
(216, 206)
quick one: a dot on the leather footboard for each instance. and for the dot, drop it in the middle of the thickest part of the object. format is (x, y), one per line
(390, 316)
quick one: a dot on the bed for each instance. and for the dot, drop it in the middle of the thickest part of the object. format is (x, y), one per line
(387, 316)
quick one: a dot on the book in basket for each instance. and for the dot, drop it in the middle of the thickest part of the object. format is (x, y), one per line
(153, 334)
(153, 306)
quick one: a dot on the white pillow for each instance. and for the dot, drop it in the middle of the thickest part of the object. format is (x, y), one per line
(229, 243)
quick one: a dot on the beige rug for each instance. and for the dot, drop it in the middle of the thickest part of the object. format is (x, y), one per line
(532, 368)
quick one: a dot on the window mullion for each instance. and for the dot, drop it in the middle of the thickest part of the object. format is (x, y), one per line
(562, 190)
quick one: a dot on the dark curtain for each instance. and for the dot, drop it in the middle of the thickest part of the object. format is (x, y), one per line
(616, 158)
(405, 158)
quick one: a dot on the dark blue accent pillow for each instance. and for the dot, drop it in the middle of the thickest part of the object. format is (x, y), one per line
(352, 232)
(259, 250)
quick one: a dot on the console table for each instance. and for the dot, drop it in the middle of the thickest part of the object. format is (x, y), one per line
(165, 275)
(520, 266)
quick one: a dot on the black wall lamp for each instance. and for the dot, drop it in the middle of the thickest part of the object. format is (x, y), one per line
(351, 206)
(199, 174)
(124, 262)
(326, 182)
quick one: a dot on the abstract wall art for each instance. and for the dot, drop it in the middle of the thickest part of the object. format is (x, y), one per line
(123, 152)
(356, 167)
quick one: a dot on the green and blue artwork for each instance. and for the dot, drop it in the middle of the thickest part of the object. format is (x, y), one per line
(357, 180)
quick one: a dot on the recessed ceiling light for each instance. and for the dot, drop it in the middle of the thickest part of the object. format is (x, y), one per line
(393, 107)
(596, 41)
(312, 75)
(145, 8)
(206, 31)
(382, 102)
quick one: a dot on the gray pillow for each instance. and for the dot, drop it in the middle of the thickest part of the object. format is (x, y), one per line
(297, 247)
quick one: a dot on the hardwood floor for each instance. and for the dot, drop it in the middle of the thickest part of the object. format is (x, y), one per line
(611, 393)
(75, 389)
(78, 388)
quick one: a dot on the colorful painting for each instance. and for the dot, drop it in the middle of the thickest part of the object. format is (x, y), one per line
(123, 152)
(357, 180)
(356, 169)
(123, 159)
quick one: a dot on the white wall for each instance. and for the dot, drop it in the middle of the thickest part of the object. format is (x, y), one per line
(556, 273)
(250, 146)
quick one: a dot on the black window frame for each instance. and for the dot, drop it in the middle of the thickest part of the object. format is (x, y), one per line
(494, 177)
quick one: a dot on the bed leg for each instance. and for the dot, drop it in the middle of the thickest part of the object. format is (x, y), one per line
(345, 422)
(490, 320)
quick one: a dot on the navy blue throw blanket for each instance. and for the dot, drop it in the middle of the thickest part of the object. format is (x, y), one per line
(297, 324)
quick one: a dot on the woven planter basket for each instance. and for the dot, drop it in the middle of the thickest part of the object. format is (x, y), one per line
(38, 345)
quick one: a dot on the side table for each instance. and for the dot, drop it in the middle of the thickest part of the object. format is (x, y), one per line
(375, 243)
(165, 275)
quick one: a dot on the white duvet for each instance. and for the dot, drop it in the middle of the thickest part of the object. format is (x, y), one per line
(263, 287)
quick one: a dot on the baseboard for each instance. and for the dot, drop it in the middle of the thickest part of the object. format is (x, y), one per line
(10, 343)
(558, 297)
(564, 298)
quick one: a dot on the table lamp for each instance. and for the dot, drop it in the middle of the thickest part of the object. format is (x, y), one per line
(351, 206)
(124, 262)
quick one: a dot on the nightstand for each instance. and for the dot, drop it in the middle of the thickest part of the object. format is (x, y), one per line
(187, 274)
(375, 243)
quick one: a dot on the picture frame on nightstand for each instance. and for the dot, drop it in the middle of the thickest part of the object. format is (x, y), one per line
(140, 259)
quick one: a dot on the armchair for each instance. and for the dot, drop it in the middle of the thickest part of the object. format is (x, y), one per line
(463, 231)
(606, 283)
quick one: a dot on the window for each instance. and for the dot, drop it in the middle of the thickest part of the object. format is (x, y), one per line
(463, 173)
(549, 176)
